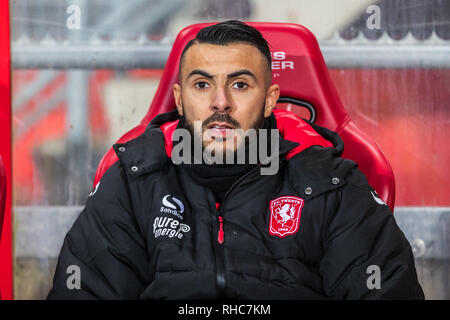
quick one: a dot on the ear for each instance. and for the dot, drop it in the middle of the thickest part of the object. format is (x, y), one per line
(177, 96)
(273, 93)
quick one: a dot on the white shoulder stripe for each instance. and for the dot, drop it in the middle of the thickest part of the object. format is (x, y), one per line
(377, 199)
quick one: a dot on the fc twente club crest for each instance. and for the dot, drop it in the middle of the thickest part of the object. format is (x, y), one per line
(285, 215)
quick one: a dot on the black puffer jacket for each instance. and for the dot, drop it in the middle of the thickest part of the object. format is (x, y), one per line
(314, 230)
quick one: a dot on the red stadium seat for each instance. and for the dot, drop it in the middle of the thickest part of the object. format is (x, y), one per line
(299, 68)
(2, 194)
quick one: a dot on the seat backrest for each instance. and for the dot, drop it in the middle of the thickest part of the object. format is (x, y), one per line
(2, 193)
(299, 69)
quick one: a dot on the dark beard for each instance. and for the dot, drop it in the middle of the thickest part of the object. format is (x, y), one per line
(220, 177)
(187, 124)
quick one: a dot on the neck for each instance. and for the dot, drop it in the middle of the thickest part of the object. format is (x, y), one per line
(220, 177)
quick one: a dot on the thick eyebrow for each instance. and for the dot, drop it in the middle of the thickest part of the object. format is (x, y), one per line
(200, 72)
(229, 76)
(240, 73)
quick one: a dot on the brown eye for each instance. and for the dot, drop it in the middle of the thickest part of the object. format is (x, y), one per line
(201, 85)
(240, 85)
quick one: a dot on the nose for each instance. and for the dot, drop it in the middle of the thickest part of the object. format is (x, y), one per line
(221, 102)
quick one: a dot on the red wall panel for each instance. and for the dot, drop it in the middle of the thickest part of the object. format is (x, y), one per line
(5, 150)
(407, 112)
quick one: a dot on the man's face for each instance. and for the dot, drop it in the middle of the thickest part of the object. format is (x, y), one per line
(225, 87)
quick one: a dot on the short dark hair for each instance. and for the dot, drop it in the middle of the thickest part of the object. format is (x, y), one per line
(231, 31)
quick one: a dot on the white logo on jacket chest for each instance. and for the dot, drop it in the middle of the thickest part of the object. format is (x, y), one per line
(172, 205)
(169, 227)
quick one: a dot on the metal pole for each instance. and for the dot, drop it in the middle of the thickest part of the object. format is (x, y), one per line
(77, 121)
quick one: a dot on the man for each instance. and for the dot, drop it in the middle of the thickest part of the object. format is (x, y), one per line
(156, 227)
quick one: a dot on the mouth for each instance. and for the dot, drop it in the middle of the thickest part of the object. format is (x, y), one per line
(219, 125)
(219, 128)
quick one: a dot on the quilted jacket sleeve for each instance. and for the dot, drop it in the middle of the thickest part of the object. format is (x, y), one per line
(366, 254)
(104, 254)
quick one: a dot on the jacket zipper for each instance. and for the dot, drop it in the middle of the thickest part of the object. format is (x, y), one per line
(220, 233)
(219, 249)
(220, 257)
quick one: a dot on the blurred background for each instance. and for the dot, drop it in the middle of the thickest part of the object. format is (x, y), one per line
(84, 72)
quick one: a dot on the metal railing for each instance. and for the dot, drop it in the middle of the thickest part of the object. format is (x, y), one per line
(154, 56)
(40, 232)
